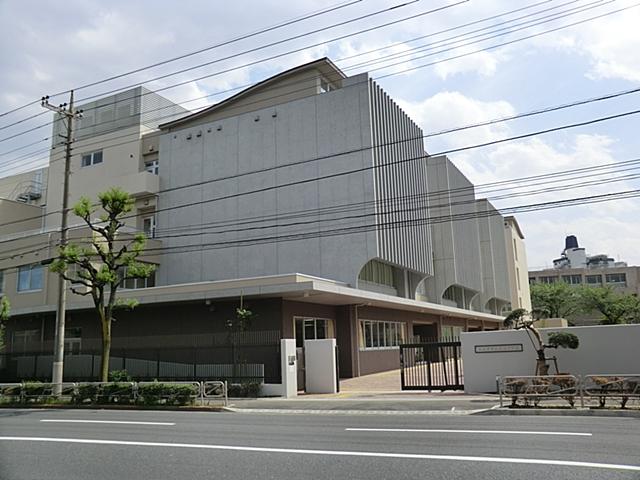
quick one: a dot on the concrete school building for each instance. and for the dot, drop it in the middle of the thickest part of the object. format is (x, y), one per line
(308, 195)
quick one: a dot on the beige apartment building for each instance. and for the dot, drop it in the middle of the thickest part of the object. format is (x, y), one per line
(367, 273)
(517, 264)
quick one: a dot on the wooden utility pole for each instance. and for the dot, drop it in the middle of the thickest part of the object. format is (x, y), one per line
(67, 113)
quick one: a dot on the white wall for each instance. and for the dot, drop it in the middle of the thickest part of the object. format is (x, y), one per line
(320, 366)
(604, 349)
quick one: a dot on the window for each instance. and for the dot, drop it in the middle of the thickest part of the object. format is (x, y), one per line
(593, 279)
(149, 226)
(616, 279)
(378, 272)
(72, 341)
(448, 332)
(30, 277)
(518, 278)
(151, 167)
(325, 86)
(92, 158)
(25, 340)
(311, 329)
(548, 279)
(133, 283)
(572, 279)
(1, 282)
(515, 250)
(375, 334)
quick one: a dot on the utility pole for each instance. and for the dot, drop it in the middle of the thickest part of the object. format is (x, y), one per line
(58, 353)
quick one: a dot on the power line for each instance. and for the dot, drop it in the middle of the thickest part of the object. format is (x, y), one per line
(180, 57)
(409, 140)
(293, 51)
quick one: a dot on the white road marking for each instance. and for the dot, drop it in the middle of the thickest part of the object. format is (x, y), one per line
(120, 422)
(437, 430)
(340, 453)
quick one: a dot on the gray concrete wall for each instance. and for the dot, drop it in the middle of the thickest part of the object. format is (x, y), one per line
(454, 231)
(495, 279)
(604, 349)
(320, 127)
(401, 187)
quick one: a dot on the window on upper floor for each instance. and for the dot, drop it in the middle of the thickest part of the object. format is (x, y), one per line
(30, 277)
(616, 278)
(149, 226)
(378, 272)
(1, 282)
(593, 279)
(547, 279)
(572, 279)
(151, 167)
(133, 283)
(91, 158)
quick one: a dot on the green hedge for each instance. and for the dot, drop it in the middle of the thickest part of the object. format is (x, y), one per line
(167, 394)
(244, 389)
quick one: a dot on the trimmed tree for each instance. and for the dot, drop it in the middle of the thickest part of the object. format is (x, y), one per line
(5, 310)
(110, 258)
(520, 319)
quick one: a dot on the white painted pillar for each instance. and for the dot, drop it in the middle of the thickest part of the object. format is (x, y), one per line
(289, 367)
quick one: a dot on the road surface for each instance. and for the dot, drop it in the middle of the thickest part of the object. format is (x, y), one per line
(100, 444)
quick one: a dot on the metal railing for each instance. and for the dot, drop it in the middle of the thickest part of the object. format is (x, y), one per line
(102, 393)
(589, 390)
(603, 387)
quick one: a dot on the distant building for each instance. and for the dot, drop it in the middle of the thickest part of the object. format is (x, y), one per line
(575, 267)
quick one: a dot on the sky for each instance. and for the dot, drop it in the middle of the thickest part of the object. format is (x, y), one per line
(446, 69)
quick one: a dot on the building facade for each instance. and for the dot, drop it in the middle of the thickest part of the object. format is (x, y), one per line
(575, 267)
(308, 195)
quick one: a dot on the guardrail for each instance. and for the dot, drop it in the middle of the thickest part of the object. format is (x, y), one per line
(533, 390)
(101, 393)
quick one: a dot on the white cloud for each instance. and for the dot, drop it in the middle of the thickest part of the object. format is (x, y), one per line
(453, 109)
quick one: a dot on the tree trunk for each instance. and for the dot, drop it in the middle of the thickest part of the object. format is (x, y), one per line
(106, 350)
(542, 368)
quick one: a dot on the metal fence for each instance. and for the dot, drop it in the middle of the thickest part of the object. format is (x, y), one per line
(587, 390)
(101, 393)
(433, 365)
(251, 356)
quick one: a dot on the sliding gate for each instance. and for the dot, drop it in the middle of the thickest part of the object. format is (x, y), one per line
(431, 366)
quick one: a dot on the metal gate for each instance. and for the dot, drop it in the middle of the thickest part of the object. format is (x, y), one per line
(431, 366)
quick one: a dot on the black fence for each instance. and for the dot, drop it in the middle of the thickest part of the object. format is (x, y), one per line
(433, 365)
(241, 358)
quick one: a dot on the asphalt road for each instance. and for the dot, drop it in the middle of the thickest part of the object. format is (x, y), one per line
(141, 445)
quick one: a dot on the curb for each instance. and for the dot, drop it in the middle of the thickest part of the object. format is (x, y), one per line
(560, 412)
(292, 411)
(194, 408)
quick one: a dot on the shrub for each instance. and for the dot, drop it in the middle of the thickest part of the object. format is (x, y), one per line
(158, 393)
(245, 389)
(115, 393)
(86, 392)
(119, 376)
(35, 391)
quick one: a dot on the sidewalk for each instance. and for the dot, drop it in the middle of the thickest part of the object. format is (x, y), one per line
(377, 393)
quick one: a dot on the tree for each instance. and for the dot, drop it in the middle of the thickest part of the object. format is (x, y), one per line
(520, 319)
(558, 299)
(615, 307)
(110, 258)
(5, 310)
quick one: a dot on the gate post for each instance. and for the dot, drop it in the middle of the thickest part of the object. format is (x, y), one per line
(401, 367)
